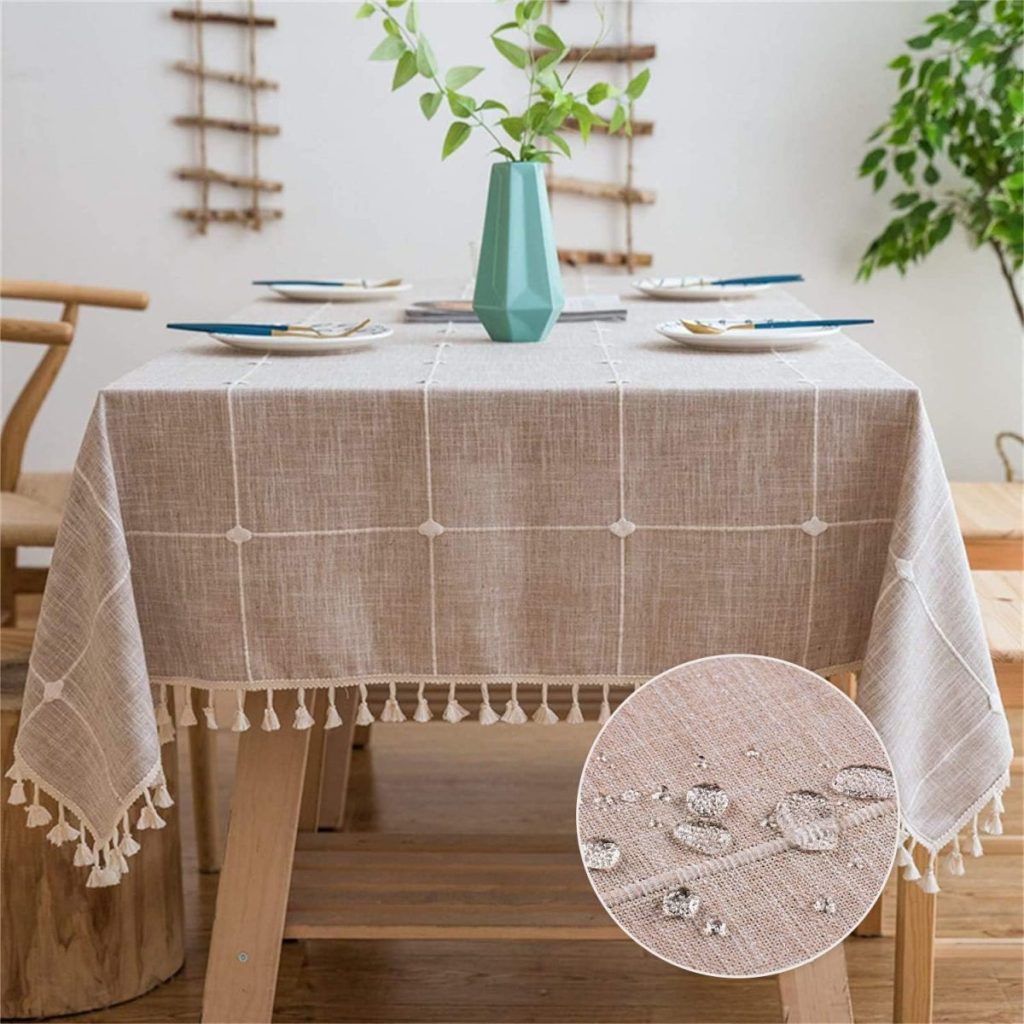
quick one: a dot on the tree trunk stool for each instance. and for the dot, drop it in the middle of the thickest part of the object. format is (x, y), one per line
(66, 948)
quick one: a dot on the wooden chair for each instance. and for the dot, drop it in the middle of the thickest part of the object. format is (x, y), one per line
(1001, 596)
(31, 504)
(991, 516)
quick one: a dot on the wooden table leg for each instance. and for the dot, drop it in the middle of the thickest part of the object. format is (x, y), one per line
(202, 756)
(915, 949)
(871, 926)
(245, 947)
(818, 992)
(337, 764)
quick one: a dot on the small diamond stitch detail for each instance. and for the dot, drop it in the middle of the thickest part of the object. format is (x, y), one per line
(430, 528)
(238, 534)
(622, 528)
(814, 526)
(601, 854)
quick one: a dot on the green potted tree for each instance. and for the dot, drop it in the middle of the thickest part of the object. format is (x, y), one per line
(518, 286)
(954, 140)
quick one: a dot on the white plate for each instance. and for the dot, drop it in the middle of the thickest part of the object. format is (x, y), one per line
(303, 346)
(348, 291)
(676, 288)
(749, 340)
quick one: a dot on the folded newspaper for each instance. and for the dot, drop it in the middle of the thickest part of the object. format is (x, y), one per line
(460, 311)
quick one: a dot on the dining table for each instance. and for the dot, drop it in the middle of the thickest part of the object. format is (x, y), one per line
(404, 530)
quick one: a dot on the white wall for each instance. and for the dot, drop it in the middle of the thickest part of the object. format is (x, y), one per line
(761, 112)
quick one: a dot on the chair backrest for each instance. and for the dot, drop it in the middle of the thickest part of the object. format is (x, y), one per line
(57, 337)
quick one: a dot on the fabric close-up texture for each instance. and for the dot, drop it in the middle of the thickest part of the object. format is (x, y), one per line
(434, 517)
(738, 816)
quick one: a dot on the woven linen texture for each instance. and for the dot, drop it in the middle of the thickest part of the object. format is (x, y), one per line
(436, 509)
(803, 730)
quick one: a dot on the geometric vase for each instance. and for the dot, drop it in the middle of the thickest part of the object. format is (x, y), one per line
(518, 294)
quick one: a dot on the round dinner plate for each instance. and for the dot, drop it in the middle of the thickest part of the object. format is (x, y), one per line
(747, 340)
(675, 288)
(346, 291)
(303, 346)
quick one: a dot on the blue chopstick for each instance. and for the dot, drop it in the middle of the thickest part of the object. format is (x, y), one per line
(761, 279)
(333, 284)
(260, 329)
(767, 325)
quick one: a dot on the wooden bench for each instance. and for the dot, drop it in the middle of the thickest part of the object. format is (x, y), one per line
(991, 517)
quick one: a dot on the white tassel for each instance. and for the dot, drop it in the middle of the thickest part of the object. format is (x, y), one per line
(422, 712)
(902, 857)
(333, 719)
(955, 860)
(454, 712)
(241, 722)
(148, 818)
(188, 714)
(575, 716)
(513, 713)
(119, 861)
(129, 846)
(487, 715)
(993, 824)
(910, 872)
(930, 884)
(392, 712)
(364, 716)
(976, 847)
(164, 722)
(38, 815)
(544, 715)
(303, 719)
(83, 855)
(210, 712)
(17, 794)
(162, 797)
(271, 723)
(997, 803)
(606, 709)
(63, 831)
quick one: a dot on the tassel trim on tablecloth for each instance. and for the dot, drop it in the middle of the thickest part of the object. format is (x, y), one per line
(107, 856)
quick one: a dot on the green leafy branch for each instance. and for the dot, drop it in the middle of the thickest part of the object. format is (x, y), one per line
(549, 104)
(958, 122)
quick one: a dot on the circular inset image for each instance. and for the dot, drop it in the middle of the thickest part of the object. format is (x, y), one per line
(737, 816)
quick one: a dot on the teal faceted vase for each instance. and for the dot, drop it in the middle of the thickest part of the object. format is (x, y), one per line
(518, 284)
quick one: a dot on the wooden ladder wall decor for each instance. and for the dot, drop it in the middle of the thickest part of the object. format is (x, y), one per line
(627, 193)
(254, 214)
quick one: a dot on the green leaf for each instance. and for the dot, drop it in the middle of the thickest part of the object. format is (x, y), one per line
(636, 87)
(905, 200)
(548, 59)
(506, 153)
(871, 161)
(560, 143)
(426, 62)
(905, 160)
(412, 18)
(931, 175)
(366, 11)
(512, 53)
(429, 103)
(460, 76)
(492, 105)
(388, 49)
(515, 126)
(598, 93)
(457, 135)
(461, 106)
(879, 179)
(547, 36)
(395, 3)
(392, 27)
(920, 42)
(902, 61)
(405, 70)
(617, 120)
(534, 9)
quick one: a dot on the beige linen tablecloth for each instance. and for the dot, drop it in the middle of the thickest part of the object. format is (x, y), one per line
(441, 510)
